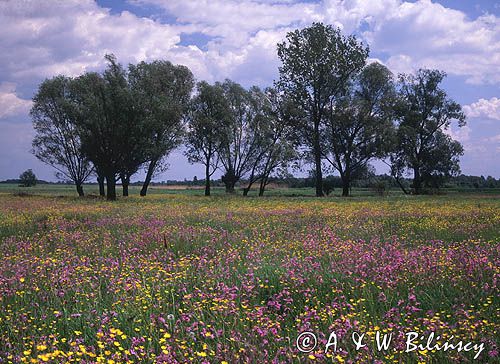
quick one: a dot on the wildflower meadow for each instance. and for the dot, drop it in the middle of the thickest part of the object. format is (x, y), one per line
(175, 278)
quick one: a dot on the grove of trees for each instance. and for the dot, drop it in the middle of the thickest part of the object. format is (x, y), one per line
(330, 108)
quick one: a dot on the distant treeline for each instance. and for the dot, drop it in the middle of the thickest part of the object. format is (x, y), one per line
(330, 182)
(331, 109)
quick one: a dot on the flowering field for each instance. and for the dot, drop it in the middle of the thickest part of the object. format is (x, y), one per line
(176, 278)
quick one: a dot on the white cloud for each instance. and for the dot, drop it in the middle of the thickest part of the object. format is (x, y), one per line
(426, 34)
(71, 37)
(488, 109)
(411, 34)
(461, 134)
(15, 144)
(10, 103)
(234, 19)
(46, 38)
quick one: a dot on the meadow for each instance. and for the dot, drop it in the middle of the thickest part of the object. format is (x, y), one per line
(178, 277)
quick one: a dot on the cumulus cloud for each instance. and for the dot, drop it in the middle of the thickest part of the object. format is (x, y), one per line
(488, 109)
(71, 37)
(494, 139)
(461, 134)
(10, 103)
(472, 136)
(46, 38)
(426, 34)
(411, 35)
(233, 20)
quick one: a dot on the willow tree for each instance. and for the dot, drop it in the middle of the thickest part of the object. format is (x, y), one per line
(360, 124)
(208, 121)
(109, 124)
(161, 92)
(277, 149)
(317, 64)
(424, 113)
(57, 142)
(241, 138)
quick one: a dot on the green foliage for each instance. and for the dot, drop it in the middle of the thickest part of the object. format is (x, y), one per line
(425, 112)
(317, 64)
(57, 141)
(360, 123)
(276, 144)
(161, 92)
(131, 117)
(27, 179)
(242, 140)
(327, 105)
(208, 123)
(109, 125)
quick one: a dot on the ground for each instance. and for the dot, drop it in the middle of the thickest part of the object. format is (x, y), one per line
(178, 277)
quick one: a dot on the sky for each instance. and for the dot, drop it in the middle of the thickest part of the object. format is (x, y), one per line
(237, 39)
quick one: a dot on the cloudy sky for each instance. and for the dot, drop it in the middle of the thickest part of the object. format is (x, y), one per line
(237, 39)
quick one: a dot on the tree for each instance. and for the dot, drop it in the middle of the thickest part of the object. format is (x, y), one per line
(100, 181)
(424, 112)
(208, 122)
(397, 166)
(240, 145)
(27, 178)
(276, 147)
(95, 128)
(162, 92)
(360, 123)
(109, 125)
(57, 142)
(317, 63)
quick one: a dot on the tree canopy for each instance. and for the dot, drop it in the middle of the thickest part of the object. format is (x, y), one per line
(317, 64)
(209, 120)
(360, 123)
(27, 178)
(424, 112)
(328, 106)
(57, 141)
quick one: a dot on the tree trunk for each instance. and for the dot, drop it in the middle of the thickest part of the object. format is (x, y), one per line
(317, 162)
(262, 186)
(125, 183)
(346, 185)
(207, 179)
(230, 187)
(417, 183)
(79, 189)
(100, 180)
(110, 187)
(229, 180)
(247, 189)
(149, 175)
(400, 184)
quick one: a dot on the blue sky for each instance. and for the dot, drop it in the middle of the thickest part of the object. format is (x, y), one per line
(236, 39)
